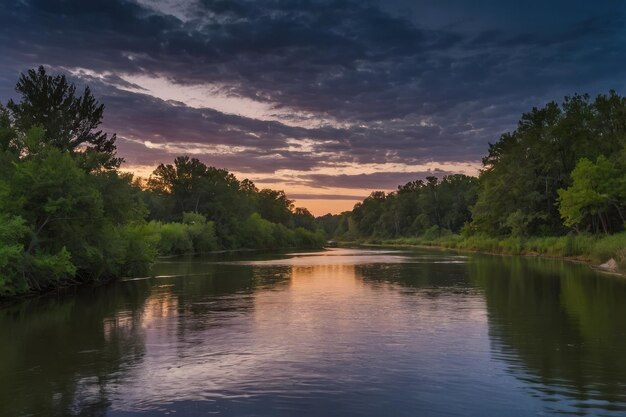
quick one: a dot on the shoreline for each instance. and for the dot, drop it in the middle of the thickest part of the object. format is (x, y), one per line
(574, 259)
(75, 286)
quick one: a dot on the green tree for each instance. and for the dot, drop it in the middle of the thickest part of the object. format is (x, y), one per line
(182, 181)
(274, 206)
(70, 121)
(303, 218)
(597, 188)
(525, 169)
(67, 215)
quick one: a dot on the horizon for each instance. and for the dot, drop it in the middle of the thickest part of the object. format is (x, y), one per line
(327, 101)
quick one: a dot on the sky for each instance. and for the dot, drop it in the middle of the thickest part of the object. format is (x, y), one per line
(327, 100)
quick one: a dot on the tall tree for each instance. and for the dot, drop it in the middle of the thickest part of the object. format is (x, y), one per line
(274, 206)
(182, 181)
(71, 121)
(303, 218)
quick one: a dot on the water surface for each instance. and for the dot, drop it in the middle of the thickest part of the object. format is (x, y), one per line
(339, 332)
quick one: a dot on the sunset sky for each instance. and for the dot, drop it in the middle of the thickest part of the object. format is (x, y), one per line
(327, 100)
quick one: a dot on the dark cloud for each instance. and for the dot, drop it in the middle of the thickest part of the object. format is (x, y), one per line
(375, 181)
(409, 82)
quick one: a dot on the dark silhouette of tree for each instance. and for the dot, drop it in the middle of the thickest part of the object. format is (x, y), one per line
(71, 122)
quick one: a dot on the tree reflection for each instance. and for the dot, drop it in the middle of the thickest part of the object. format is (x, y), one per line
(66, 355)
(560, 326)
(60, 354)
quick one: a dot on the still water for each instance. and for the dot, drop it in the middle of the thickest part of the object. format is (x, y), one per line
(341, 332)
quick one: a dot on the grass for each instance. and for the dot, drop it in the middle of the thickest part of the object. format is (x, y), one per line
(584, 247)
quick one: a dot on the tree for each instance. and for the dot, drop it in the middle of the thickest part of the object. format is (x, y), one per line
(525, 169)
(597, 188)
(303, 218)
(66, 213)
(274, 206)
(9, 138)
(366, 214)
(457, 194)
(71, 122)
(182, 181)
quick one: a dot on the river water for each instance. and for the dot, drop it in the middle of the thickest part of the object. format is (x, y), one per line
(339, 332)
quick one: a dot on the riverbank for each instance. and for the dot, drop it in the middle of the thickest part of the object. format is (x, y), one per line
(68, 287)
(591, 249)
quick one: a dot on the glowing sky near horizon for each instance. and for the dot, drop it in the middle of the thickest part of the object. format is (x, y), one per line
(327, 100)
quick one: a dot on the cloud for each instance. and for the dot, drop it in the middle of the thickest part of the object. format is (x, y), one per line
(375, 181)
(269, 85)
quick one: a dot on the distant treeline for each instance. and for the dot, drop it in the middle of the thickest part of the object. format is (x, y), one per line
(68, 215)
(562, 171)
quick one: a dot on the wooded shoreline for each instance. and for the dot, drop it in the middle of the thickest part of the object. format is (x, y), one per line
(69, 215)
(555, 186)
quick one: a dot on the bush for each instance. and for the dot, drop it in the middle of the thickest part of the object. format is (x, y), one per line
(174, 239)
(307, 239)
(140, 248)
(56, 268)
(12, 230)
(257, 232)
(201, 232)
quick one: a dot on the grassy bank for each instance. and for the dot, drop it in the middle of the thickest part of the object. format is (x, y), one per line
(588, 248)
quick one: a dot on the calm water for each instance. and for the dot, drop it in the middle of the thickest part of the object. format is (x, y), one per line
(334, 333)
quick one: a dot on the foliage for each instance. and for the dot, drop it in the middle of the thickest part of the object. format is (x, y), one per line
(194, 235)
(433, 207)
(563, 168)
(611, 247)
(329, 224)
(238, 214)
(67, 215)
(70, 121)
(304, 219)
(201, 232)
(596, 197)
(12, 230)
(189, 185)
(274, 206)
(139, 248)
(263, 234)
(587, 247)
(524, 170)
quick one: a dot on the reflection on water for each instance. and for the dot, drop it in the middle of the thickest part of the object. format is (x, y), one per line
(561, 329)
(338, 332)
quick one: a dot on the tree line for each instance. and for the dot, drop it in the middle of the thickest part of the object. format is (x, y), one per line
(561, 171)
(69, 215)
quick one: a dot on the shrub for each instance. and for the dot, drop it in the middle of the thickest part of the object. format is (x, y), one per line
(257, 232)
(201, 232)
(174, 239)
(307, 239)
(140, 241)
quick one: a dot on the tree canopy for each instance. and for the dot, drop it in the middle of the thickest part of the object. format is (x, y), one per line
(70, 121)
(562, 168)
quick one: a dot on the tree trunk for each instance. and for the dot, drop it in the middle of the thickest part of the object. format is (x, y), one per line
(603, 223)
(619, 212)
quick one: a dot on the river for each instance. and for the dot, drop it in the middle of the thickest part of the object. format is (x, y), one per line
(339, 332)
